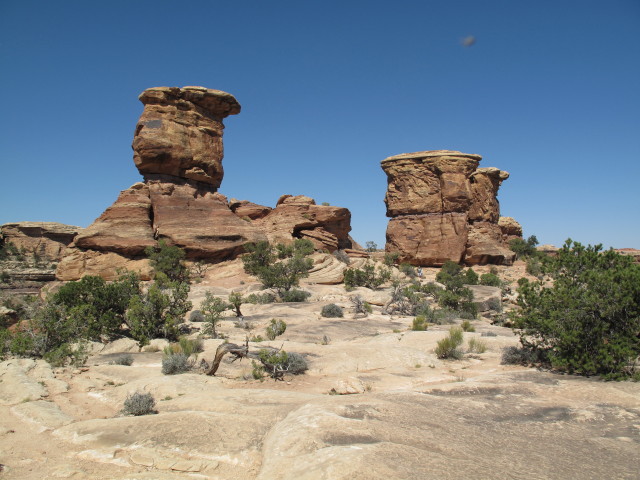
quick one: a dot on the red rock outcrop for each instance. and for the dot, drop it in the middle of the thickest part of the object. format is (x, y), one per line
(45, 239)
(178, 149)
(443, 207)
(180, 133)
(299, 217)
(510, 228)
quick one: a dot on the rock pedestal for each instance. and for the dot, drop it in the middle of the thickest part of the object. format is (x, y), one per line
(443, 207)
(178, 149)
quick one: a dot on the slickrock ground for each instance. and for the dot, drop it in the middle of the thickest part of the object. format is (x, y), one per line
(375, 404)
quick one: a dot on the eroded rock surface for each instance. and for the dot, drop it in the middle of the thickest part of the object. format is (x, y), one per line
(178, 149)
(180, 132)
(45, 239)
(443, 207)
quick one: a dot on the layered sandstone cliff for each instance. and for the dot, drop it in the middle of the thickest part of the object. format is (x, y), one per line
(178, 149)
(443, 207)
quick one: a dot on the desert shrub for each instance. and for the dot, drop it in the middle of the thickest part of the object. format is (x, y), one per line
(159, 311)
(176, 363)
(257, 370)
(332, 311)
(5, 277)
(294, 295)
(391, 258)
(518, 355)
(488, 334)
(476, 346)
(260, 299)
(368, 276)
(212, 308)
(534, 267)
(169, 261)
(588, 321)
(471, 277)
(420, 323)
(408, 270)
(96, 307)
(196, 316)
(276, 328)
(257, 339)
(490, 279)
(524, 248)
(448, 347)
(139, 404)
(236, 300)
(296, 364)
(342, 256)
(360, 306)
(191, 346)
(467, 327)
(126, 360)
(67, 354)
(280, 267)
(199, 269)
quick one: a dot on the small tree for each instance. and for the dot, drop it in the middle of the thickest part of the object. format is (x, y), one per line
(169, 260)
(371, 246)
(368, 276)
(524, 248)
(212, 309)
(588, 320)
(280, 267)
(236, 300)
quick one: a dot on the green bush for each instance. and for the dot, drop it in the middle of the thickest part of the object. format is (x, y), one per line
(294, 295)
(159, 311)
(260, 299)
(280, 267)
(448, 347)
(196, 316)
(515, 355)
(471, 277)
(524, 248)
(277, 328)
(467, 327)
(408, 270)
(420, 323)
(391, 258)
(139, 404)
(490, 279)
(176, 363)
(476, 346)
(168, 260)
(588, 321)
(332, 311)
(366, 277)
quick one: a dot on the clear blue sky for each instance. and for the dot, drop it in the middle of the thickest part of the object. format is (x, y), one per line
(550, 92)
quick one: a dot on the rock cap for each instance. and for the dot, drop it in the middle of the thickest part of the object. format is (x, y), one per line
(217, 102)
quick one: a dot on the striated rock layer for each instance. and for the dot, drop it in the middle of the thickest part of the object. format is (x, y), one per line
(45, 239)
(178, 149)
(443, 207)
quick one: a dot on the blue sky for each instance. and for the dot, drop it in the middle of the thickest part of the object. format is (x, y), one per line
(550, 92)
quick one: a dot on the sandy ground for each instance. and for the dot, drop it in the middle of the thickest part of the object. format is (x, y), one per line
(375, 403)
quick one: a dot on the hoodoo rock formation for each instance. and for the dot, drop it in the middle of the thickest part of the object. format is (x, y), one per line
(178, 149)
(443, 207)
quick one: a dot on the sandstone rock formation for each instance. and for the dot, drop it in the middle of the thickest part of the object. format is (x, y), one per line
(443, 207)
(180, 132)
(510, 228)
(45, 239)
(178, 149)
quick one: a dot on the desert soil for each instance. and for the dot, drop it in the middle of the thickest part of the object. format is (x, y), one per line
(376, 403)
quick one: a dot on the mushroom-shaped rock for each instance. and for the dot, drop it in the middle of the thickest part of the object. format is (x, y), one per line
(180, 133)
